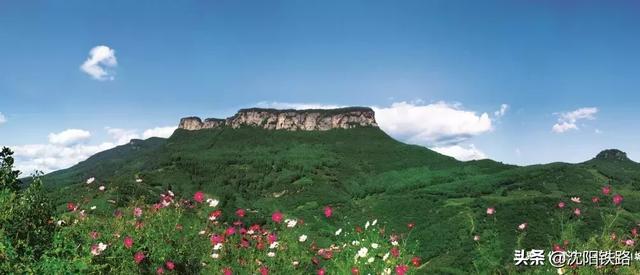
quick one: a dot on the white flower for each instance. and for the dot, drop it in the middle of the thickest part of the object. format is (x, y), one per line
(202, 232)
(560, 271)
(374, 222)
(102, 246)
(215, 255)
(138, 180)
(363, 252)
(271, 254)
(291, 223)
(93, 207)
(338, 231)
(171, 193)
(356, 242)
(370, 260)
(375, 245)
(213, 202)
(575, 199)
(302, 238)
(522, 226)
(91, 180)
(218, 246)
(295, 263)
(101, 188)
(273, 245)
(385, 257)
(366, 225)
(387, 271)
(60, 222)
(394, 243)
(250, 232)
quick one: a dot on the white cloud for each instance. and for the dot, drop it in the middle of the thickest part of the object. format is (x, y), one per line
(568, 121)
(69, 137)
(122, 136)
(3, 119)
(100, 59)
(163, 132)
(68, 147)
(502, 111)
(436, 124)
(460, 152)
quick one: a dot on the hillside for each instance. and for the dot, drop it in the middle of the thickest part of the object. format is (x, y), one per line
(364, 174)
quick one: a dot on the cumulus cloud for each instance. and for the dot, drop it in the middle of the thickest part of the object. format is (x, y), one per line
(568, 120)
(101, 59)
(69, 137)
(460, 152)
(436, 124)
(3, 119)
(502, 111)
(163, 132)
(440, 126)
(69, 147)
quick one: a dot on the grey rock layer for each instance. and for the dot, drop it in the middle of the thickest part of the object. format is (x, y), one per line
(291, 120)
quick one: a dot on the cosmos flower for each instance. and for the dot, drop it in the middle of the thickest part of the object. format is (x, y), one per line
(302, 238)
(137, 212)
(606, 190)
(240, 212)
(476, 238)
(577, 212)
(276, 217)
(415, 261)
(402, 269)
(338, 231)
(522, 226)
(561, 205)
(617, 199)
(101, 188)
(491, 211)
(71, 206)
(128, 242)
(170, 265)
(138, 257)
(198, 196)
(328, 212)
(595, 199)
(91, 180)
(575, 199)
(213, 202)
(160, 270)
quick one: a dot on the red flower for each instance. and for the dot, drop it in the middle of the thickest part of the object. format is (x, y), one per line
(71, 206)
(160, 270)
(561, 205)
(264, 270)
(328, 211)
(214, 215)
(170, 265)
(240, 212)
(198, 196)
(617, 199)
(276, 217)
(138, 257)
(227, 271)
(401, 269)
(595, 199)
(395, 252)
(606, 190)
(128, 242)
(411, 225)
(355, 271)
(415, 261)
(321, 271)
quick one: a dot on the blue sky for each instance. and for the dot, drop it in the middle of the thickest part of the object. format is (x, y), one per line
(549, 61)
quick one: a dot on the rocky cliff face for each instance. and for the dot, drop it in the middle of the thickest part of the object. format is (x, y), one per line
(291, 120)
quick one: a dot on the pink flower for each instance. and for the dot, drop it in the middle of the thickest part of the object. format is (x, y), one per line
(94, 235)
(160, 270)
(198, 196)
(634, 232)
(395, 252)
(557, 247)
(170, 265)
(629, 242)
(227, 271)
(617, 199)
(355, 271)
(230, 231)
(216, 239)
(595, 199)
(491, 211)
(240, 212)
(71, 206)
(138, 257)
(128, 242)
(328, 212)
(264, 270)
(522, 226)
(214, 215)
(411, 225)
(276, 217)
(606, 190)
(272, 238)
(561, 205)
(321, 271)
(137, 212)
(415, 261)
(576, 211)
(402, 269)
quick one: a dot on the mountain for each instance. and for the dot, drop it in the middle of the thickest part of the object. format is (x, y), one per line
(265, 159)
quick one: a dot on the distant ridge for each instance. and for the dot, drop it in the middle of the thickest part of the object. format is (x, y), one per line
(288, 119)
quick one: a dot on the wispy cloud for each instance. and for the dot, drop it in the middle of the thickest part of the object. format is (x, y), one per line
(101, 59)
(3, 119)
(502, 111)
(568, 121)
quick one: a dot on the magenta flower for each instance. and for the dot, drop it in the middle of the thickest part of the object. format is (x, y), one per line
(138, 257)
(328, 212)
(128, 242)
(160, 270)
(606, 190)
(617, 199)
(240, 212)
(491, 211)
(595, 199)
(276, 217)
(402, 269)
(230, 231)
(137, 212)
(198, 196)
(577, 211)
(170, 265)
(561, 205)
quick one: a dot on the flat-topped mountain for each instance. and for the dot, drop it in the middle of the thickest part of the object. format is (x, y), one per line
(291, 120)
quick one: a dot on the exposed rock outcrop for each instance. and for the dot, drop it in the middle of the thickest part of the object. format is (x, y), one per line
(291, 120)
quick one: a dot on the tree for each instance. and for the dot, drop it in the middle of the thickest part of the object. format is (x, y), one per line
(8, 177)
